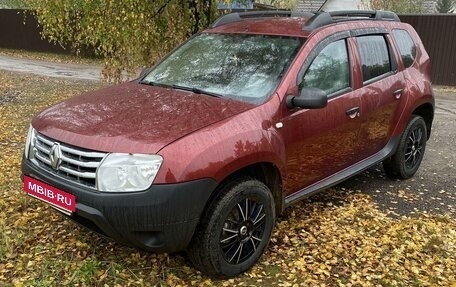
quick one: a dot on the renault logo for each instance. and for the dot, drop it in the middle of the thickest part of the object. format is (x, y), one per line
(55, 156)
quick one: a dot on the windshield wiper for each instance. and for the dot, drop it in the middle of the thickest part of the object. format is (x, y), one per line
(196, 90)
(151, 83)
(185, 88)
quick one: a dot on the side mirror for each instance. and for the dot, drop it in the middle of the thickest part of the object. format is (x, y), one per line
(144, 72)
(309, 98)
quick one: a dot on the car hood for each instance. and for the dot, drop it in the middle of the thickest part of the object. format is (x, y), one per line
(132, 118)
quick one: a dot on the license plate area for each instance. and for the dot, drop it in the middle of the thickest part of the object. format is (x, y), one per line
(57, 198)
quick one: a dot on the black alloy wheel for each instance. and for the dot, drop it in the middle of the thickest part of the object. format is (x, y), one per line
(234, 229)
(410, 151)
(242, 231)
(414, 147)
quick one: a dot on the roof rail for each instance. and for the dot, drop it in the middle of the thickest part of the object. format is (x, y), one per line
(236, 17)
(325, 18)
(371, 14)
(316, 20)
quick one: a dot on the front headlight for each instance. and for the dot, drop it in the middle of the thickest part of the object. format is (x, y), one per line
(122, 172)
(30, 143)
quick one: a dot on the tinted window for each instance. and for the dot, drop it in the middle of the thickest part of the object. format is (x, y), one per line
(329, 70)
(375, 58)
(406, 46)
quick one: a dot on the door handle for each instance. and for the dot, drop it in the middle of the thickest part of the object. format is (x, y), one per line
(353, 112)
(398, 93)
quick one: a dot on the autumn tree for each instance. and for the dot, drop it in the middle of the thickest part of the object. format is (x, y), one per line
(126, 34)
(12, 4)
(398, 6)
(287, 4)
(445, 6)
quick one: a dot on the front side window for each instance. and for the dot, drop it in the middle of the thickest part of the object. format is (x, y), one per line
(329, 70)
(375, 59)
(406, 46)
(241, 67)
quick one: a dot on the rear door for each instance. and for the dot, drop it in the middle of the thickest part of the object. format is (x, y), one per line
(381, 90)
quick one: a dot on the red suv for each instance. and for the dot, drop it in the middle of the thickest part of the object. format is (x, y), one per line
(244, 119)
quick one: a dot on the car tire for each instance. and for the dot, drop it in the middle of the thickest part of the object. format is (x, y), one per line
(234, 229)
(405, 162)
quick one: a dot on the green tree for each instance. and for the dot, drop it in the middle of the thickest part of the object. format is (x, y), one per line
(445, 6)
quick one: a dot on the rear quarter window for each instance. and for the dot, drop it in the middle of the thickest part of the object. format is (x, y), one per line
(406, 46)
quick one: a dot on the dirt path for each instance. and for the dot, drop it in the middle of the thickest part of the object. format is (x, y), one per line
(50, 69)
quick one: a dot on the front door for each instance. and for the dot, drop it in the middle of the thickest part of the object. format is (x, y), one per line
(321, 142)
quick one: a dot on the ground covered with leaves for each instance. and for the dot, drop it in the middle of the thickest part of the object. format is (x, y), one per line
(338, 238)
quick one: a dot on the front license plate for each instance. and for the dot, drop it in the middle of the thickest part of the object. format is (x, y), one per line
(59, 199)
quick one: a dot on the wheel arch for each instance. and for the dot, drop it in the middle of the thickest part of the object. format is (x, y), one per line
(266, 172)
(426, 111)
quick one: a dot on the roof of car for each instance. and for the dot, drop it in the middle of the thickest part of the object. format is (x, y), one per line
(291, 23)
(266, 26)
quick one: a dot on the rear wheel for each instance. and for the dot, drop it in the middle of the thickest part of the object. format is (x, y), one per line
(407, 159)
(234, 230)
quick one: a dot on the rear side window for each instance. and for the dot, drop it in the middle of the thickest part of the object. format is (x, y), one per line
(406, 46)
(375, 59)
(329, 70)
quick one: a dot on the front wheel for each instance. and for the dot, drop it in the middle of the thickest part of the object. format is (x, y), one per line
(407, 159)
(234, 230)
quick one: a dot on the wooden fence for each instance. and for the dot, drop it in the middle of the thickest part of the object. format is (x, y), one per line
(21, 31)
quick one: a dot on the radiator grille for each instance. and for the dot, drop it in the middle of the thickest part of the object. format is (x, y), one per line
(74, 164)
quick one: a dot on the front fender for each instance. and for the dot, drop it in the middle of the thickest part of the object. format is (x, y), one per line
(223, 148)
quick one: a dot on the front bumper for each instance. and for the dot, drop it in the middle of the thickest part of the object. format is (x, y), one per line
(160, 219)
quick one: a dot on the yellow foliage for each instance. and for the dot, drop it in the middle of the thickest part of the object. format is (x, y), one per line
(128, 34)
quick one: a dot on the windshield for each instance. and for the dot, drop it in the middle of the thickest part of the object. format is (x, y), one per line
(237, 66)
